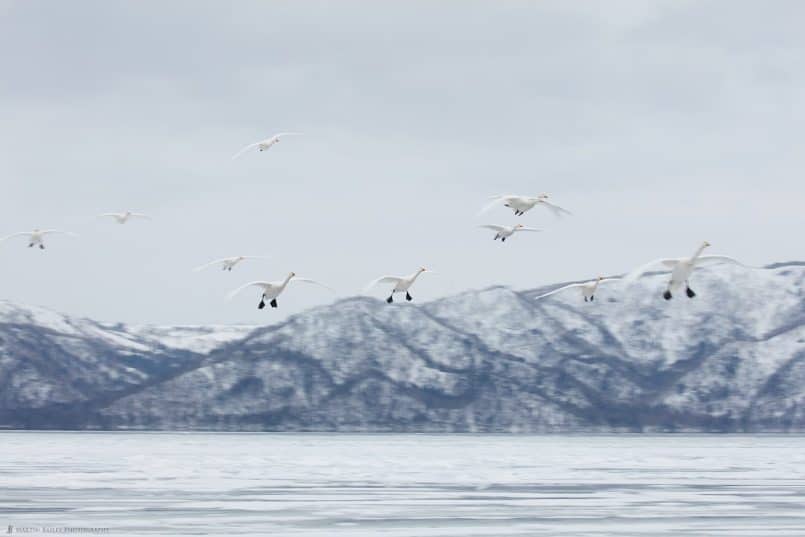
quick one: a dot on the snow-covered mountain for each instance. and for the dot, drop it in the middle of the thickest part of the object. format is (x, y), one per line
(733, 358)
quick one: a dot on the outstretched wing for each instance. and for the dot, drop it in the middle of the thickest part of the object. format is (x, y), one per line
(211, 263)
(658, 264)
(248, 147)
(113, 215)
(527, 229)
(604, 280)
(555, 209)
(140, 215)
(53, 231)
(496, 200)
(281, 134)
(493, 227)
(264, 285)
(19, 234)
(715, 259)
(307, 280)
(571, 286)
(383, 279)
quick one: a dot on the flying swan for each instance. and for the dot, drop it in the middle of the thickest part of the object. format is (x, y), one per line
(504, 232)
(588, 289)
(271, 290)
(36, 237)
(401, 284)
(125, 216)
(681, 269)
(521, 204)
(228, 263)
(265, 145)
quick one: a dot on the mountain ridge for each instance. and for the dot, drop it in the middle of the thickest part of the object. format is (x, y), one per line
(488, 360)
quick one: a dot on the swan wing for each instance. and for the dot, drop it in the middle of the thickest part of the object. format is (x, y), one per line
(383, 279)
(556, 209)
(659, 264)
(493, 227)
(572, 285)
(281, 134)
(264, 285)
(211, 263)
(54, 231)
(248, 147)
(140, 215)
(496, 200)
(526, 229)
(308, 280)
(19, 234)
(715, 259)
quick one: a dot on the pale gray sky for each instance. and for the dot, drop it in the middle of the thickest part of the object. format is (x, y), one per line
(659, 124)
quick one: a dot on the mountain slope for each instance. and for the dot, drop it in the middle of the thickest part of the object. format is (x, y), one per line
(733, 358)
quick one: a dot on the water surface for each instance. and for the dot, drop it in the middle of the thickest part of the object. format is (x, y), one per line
(395, 485)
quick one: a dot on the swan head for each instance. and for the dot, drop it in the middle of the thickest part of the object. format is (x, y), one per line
(599, 278)
(705, 244)
(292, 274)
(542, 196)
(422, 269)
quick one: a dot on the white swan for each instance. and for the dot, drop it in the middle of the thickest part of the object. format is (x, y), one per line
(125, 216)
(228, 263)
(504, 232)
(521, 204)
(401, 284)
(681, 268)
(36, 237)
(265, 145)
(271, 290)
(588, 289)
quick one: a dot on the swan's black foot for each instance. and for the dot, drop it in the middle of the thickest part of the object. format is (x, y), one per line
(273, 303)
(390, 299)
(667, 295)
(689, 292)
(503, 239)
(408, 297)
(41, 246)
(586, 299)
(30, 245)
(261, 305)
(592, 298)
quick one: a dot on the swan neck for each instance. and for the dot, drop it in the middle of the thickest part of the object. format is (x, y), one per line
(287, 279)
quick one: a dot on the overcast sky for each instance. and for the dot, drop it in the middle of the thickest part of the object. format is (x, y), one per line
(659, 124)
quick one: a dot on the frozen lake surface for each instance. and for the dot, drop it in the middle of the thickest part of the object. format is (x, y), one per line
(394, 485)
